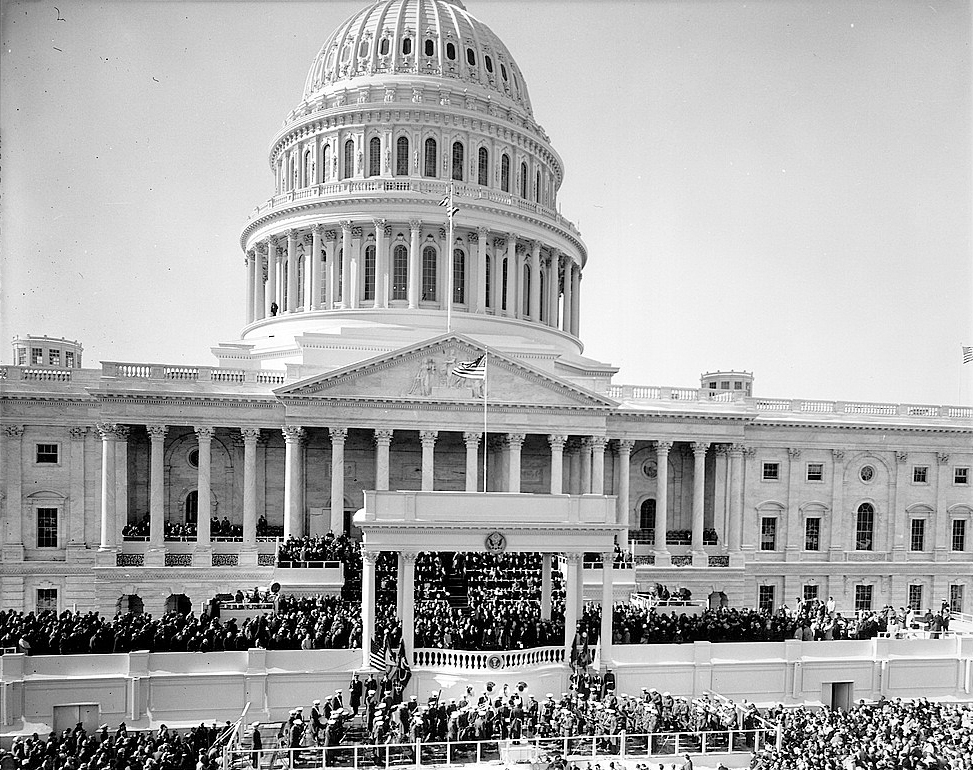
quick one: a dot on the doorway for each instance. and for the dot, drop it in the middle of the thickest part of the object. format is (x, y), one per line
(67, 717)
(838, 695)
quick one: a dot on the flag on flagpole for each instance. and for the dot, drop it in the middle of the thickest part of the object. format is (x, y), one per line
(471, 370)
(402, 668)
(967, 354)
(379, 655)
(447, 203)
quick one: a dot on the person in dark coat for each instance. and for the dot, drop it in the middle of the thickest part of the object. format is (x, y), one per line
(256, 744)
(355, 689)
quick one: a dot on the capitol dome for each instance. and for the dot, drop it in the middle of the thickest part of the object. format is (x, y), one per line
(405, 38)
(406, 102)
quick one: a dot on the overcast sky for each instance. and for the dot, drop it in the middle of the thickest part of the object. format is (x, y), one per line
(781, 187)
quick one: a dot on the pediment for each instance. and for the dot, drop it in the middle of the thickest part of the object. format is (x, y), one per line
(424, 373)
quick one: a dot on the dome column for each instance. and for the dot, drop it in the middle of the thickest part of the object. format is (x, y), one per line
(331, 267)
(415, 272)
(567, 319)
(557, 462)
(271, 298)
(575, 300)
(381, 265)
(292, 289)
(257, 298)
(315, 268)
(535, 282)
(249, 261)
(479, 305)
(345, 279)
(496, 276)
(511, 293)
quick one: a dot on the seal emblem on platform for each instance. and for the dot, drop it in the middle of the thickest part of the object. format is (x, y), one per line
(495, 542)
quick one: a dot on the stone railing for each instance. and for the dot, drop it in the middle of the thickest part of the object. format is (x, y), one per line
(137, 371)
(10, 373)
(646, 393)
(497, 660)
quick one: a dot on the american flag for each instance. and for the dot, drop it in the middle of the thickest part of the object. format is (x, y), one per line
(379, 655)
(471, 370)
(447, 203)
(967, 354)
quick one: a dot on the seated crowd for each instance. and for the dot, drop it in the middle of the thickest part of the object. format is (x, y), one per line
(312, 550)
(490, 624)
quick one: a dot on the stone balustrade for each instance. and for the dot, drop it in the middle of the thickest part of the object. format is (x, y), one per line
(498, 660)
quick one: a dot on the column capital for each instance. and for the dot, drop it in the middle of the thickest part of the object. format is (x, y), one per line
(428, 437)
(624, 446)
(721, 450)
(607, 557)
(838, 455)
(699, 447)
(292, 236)
(383, 436)
(415, 225)
(597, 442)
(317, 229)
(557, 441)
(157, 432)
(345, 226)
(370, 557)
(79, 432)
(736, 450)
(793, 452)
(515, 439)
(204, 433)
(482, 232)
(663, 447)
(122, 431)
(109, 430)
(379, 225)
(250, 435)
(901, 457)
(409, 557)
(572, 557)
(13, 431)
(293, 433)
(472, 438)
(338, 434)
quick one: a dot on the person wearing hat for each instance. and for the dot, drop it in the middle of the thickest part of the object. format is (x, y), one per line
(688, 764)
(336, 703)
(356, 689)
(296, 736)
(256, 744)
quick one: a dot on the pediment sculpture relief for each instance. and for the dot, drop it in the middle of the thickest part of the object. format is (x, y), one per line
(435, 377)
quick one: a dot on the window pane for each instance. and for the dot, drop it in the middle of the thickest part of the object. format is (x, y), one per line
(956, 598)
(771, 471)
(917, 539)
(54, 357)
(505, 173)
(812, 534)
(47, 527)
(458, 161)
(37, 355)
(429, 274)
(864, 527)
(810, 593)
(961, 476)
(374, 156)
(402, 156)
(349, 168)
(429, 164)
(369, 288)
(459, 276)
(47, 453)
(915, 597)
(47, 600)
(768, 534)
(863, 598)
(400, 273)
(959, 534)
(765, 598)
(815, 471)
(919, 474)
(483, 166)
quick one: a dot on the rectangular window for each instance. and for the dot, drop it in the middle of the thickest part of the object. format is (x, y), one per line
(429, 259)
(920, 474)
(54, 357)
(21, 356)
(768, 533)
(712, 385)
(47, 527)
(915, 597)
(69, 359)
(737, 385)
(810, 593)
(863, 598)
(47, 600)
(47, 453)
(765, 598)
(864, 528)
(771, 471)
(724, 384)
(812, 534)
(961, 476)
(369, 288)
(956, 598)
(400, 273)
(815, 471)
(37, 356)
(917, 540)
(959, 534)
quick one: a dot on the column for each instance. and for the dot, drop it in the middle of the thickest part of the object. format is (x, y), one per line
(293, 511)
(331, 268)
(662, 502)
(157, 514)
(511, 293)
(76, 536)
(793, 543)
(837, 550)
(545, 586)
(383, 446)
(415, 266)
(204, 506)
(472, 440)
(108, 530)
(598, 464)
(338, 437)
(408, 559)
(699, 487)
(943, 479)
(271, 293)
(576, 300)
(736, 500)
(481, 260)
(573, 452)
(515, 443)
(250, 437)
(571, 609)
(585, 466)
(535, 282)
(496, 277)
(249, 260)
(428, 438)
(354, 276)
(381, 265)
(567, 324)
(121, 481)
(553, 290)
(899, 517)
(259, 293)
(345, 279)
(367, 605)
(557, 462)
(13, 537)
(292, 290)
(315, 265)
(607, 606)
(624, 450)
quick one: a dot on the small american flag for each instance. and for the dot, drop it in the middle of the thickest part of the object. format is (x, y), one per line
(379, 655)
(472, 370)
(447, 203)
(967, 354)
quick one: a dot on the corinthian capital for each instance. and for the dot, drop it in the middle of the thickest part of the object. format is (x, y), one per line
(204, 433)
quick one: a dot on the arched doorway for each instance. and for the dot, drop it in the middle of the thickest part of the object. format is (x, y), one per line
(718, 600)
(191, 506)
(179, 603)
(647, 520)
(129, 603)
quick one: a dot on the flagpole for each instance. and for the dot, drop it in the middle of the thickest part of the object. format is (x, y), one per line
(449, 264)
(486, 358)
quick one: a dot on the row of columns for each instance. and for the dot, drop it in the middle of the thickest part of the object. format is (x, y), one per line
(344, 284)
(573, 600)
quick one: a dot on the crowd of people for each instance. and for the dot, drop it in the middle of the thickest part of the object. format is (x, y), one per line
(488, 624)
(312, 550)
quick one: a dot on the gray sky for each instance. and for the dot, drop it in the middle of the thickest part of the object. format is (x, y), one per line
(783, 187)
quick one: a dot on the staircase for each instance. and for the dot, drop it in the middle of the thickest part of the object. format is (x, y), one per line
(455, 584)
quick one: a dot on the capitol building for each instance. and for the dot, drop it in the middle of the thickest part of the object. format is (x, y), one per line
(411, 238)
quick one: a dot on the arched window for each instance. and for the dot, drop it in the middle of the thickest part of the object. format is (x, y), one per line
(429, 274)
(429, 164)
(349, 164)
(450, 51)
(400, 272)
(505, 172)
(503, 286)
(647, 515)
(383, 47)
(458, 161)
(489, 63)
(340, 273)
(523, 181)
(865, 527)
(471, 57)
(483, 166)
(374, 156)
(369, 289)
(542, 302)
(430, 47)
(459, 276)
(537, 189)
(326, 162)
(503, 71)
(406, 46)
(191, 506)
(525, 289)
(363, 49)
(489, 263)
(346, 52)
(308, 168)
(402, 156)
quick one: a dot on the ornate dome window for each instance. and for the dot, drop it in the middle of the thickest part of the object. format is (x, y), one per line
(430, 47)
(346, 53)
(450, 51)
(383, 47)
(402, 156)
(459, 276)
(363, 49)
(406, 46)
(429, 259)
(374, 156)
(503, 71)
(349, 160)
(457, 161)
(489, 63)
(400, 272)
(505, 173)
(482, 166)
(429, 156)
(471, 57)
